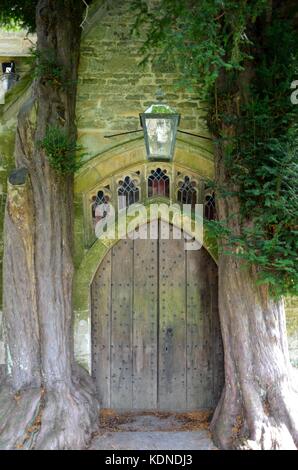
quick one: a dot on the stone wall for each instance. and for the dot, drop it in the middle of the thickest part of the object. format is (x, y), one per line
(16, 43)
(113, 89)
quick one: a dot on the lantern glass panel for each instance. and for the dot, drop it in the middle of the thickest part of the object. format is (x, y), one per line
(161, 133)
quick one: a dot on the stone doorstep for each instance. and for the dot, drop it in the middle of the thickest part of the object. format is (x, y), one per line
(153, 440)
(151, 431)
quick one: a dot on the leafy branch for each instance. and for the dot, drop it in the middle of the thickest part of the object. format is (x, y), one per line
(209, 40)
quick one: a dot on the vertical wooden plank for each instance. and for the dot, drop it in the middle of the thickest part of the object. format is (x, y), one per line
(100, 328)
(199, 361)
(214, 376)
(145, 324)
(195, 338)
(203, 356)
(172, 329)
(121, 325)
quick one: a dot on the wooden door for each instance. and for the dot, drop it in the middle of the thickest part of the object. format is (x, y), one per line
(155, 331)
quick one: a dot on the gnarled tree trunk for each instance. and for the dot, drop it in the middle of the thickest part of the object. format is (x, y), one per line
(50, 402)
(258, 408)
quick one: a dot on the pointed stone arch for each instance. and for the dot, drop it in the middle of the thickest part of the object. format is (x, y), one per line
(84, 276)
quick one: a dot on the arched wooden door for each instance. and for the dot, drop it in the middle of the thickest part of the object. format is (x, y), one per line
(156, 340)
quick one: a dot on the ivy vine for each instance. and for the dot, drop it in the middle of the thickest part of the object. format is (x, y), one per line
(206, 40)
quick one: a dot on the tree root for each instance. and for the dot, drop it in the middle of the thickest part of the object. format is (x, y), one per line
(17, 412)
(248, 423)
(63, 418)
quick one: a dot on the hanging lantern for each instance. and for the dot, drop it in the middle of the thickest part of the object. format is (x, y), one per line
(160, 123)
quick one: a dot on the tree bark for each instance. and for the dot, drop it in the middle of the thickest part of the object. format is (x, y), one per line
(51, 401)
(258, 408)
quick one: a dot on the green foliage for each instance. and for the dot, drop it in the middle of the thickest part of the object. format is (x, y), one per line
(212, 39)
(161, 109)
(263, 163)
(192, 36)
(16, 14)
(47, 67)
(63, 153)
(21, 14)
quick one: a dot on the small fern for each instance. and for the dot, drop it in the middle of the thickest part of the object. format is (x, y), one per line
(63, 153)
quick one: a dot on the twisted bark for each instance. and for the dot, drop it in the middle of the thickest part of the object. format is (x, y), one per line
(258, 408)
(51, 402)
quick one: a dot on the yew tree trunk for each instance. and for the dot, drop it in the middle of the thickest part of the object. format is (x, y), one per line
(258, 408)
(49, 402)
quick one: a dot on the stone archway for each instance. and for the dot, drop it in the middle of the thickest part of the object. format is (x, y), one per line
(155, 331)
(83, 279)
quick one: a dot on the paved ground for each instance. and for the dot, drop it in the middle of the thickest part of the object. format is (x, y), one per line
(187, 440)
(152, 431)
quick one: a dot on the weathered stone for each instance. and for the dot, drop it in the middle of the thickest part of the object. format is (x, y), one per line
(16, 43)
